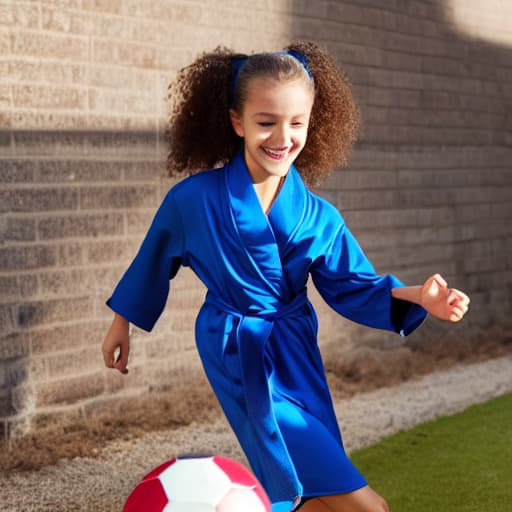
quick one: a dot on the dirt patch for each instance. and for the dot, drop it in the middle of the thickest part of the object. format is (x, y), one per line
(368, 369)
(69, 437)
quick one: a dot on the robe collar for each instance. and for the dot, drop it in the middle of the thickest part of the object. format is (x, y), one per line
(265, 236)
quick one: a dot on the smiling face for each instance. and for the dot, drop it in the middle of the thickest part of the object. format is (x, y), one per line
(274, 124)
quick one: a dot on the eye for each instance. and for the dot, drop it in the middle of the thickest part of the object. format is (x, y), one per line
(265, 123)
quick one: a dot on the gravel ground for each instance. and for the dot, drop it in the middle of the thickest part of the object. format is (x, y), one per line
(102, 484)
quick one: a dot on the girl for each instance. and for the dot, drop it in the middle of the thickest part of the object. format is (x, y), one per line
(253, 233)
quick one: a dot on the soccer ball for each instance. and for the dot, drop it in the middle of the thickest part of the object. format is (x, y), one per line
(199, 484)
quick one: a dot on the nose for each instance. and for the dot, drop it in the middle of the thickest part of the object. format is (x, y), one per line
(282, 136)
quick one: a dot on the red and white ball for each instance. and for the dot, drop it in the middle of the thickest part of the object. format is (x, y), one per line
(199, 484)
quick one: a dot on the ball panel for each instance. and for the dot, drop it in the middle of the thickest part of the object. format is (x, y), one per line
(195, 480)
(189, 507)
(148, 496)
(242, 499)
(236, 472)
(239, 474)
(159, 469)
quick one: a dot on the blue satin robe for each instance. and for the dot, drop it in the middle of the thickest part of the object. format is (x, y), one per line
(257, 332)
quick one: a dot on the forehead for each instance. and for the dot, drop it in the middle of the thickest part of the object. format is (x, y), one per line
(278, 96)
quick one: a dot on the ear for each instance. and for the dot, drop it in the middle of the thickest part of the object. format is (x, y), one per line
(236, 122)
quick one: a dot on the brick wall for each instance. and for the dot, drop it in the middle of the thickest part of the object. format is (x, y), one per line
(82, 111)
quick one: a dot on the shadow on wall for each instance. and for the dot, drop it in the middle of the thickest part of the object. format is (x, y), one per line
(429, 190)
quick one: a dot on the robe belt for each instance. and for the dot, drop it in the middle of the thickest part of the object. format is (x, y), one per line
(252, 333)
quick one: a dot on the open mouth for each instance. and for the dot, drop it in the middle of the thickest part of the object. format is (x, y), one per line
(275, 155)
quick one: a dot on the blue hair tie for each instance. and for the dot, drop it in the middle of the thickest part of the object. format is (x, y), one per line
(296, 54)
(237, 64)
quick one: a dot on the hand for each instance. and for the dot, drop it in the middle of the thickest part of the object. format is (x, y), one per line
(117, 337)
(443, 302)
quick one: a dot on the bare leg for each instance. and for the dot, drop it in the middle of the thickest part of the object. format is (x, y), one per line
(362, 500)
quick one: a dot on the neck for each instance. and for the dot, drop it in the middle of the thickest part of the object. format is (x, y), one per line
(268, 190)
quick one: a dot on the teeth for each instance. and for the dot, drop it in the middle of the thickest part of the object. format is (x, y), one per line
(274, 153)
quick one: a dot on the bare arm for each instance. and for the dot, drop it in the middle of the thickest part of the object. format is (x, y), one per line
(117, 337)
(435, 296)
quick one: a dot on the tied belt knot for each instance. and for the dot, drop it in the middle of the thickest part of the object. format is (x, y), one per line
(253, 330)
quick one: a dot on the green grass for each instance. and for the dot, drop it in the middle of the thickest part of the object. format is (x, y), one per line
(461, 463)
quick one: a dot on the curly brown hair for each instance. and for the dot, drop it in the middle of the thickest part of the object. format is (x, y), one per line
(200, 133)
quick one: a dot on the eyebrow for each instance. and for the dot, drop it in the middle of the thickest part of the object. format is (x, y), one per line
(270, 114)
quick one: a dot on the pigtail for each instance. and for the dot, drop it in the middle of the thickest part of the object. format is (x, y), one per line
(199, 133)
(334, 119)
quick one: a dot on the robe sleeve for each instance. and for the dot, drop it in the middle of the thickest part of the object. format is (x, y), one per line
(142, 292)
(347, 281)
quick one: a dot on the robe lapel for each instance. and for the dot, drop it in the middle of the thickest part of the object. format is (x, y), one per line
(252, 225)
(287, 212)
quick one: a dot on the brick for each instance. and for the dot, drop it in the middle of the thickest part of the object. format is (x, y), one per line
(35, 200)
(297, 7)
(80, 225)
(123, 101)
(367, 199)
(57, 338)
(138, 222)
(182, 320)
(27, 257)
(126, 53)
(66, 282)
(107, 278)
(118, 197)
(107, 6)
(144, 171)
(107, 251)
(5, 41)
(102, 76)
(71, 4)
(69, 254)
(181, 341)
(17, 171)
(27, 286)
(32, 96)
(57, 121)
(6, 147)
(5, 96)
(175, 13)
(79, 171)
(16, 372)
(9, 287)
(70, 390)
(359, 219)
(347, 13)
(14, 229)
(19, 15)
(454, 178)
(14, 346)
(117, 27)
(56, 310)
(115, 381)
(50, 143)
(139, 144)
(123, 123)
(6, 409)
(74, 362)
(60, 20)
(56, 46)
(42, 71)
(354, 180)
(94, 332)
